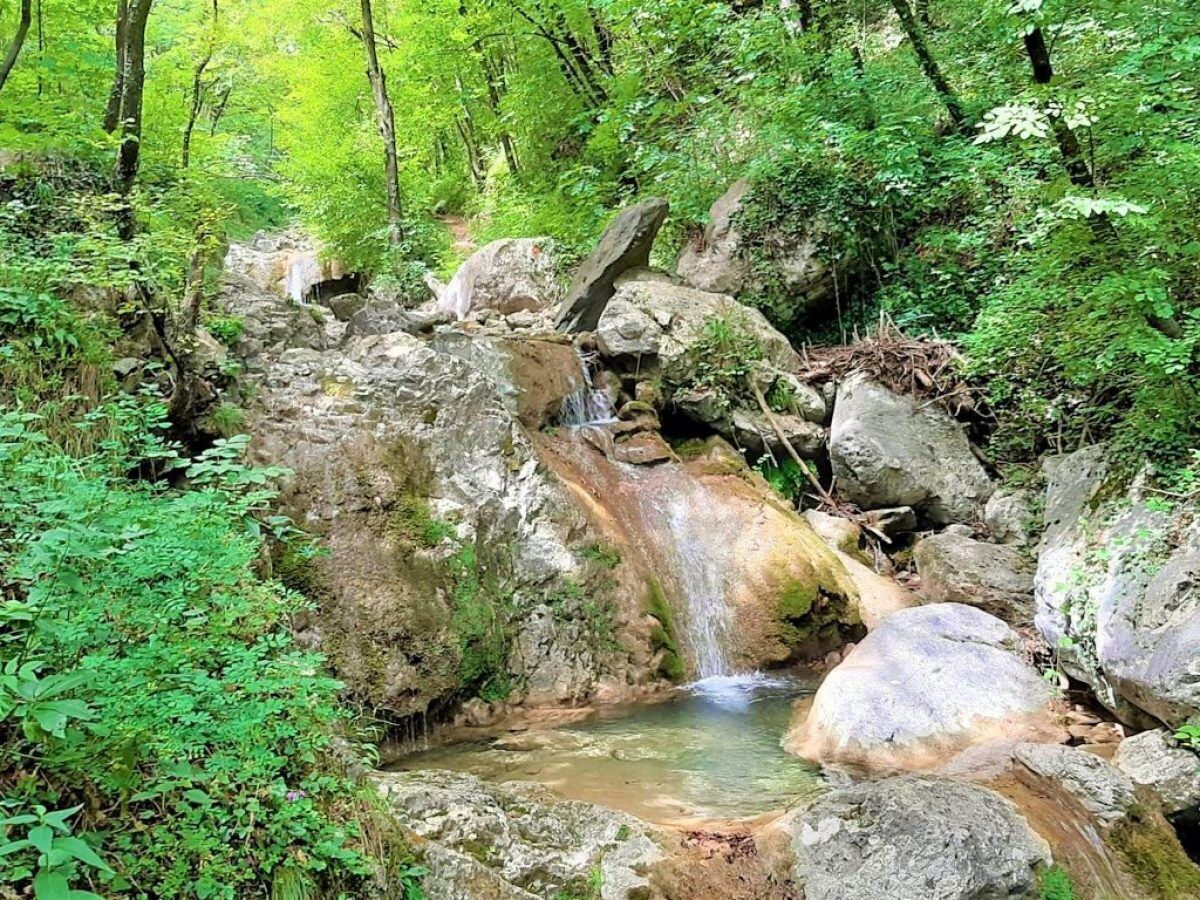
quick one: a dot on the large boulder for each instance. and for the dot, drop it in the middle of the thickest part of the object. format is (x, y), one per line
(1101, 789)
(926, 683)
(890, 450)
(625, 244)
(508, 275)
(914, 838)
(529, 841)
(446, 538)
(720, 259)
(994, 577)
(1009, 516)
(1171, 773)
(1117, 590)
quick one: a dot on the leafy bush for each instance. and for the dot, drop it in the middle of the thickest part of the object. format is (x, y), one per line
(162, 733)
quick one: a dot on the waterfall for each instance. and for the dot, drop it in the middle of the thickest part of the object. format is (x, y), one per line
(586, 405)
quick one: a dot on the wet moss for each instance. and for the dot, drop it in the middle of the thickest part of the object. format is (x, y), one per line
(663, 636)
(1155, 857)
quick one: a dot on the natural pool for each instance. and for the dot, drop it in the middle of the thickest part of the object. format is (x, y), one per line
(710, 751)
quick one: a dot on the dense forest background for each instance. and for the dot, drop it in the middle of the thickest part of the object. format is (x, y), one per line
(1021, 177)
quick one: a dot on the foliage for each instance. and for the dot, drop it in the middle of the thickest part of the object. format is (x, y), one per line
(663, 636)
(721, 360)
(148, 669)
(786, 478)
(1188, 734)
(1056, 884)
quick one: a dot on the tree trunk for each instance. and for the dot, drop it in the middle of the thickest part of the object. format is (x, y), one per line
(385, 119)
(198, 91)
(14, 49)
(133, 86)
(916, 37)
(922, 9)
(112, 114)
(1068, 142)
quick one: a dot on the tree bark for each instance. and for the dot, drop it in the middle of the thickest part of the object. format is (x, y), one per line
(385, 119)
(18, 41)
(112, 114)
(922, 9)
(198, 90)
(916, 37)
(133, 87)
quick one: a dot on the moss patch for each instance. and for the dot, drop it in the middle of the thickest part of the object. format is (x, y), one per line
(663, 635)
(1155, 857)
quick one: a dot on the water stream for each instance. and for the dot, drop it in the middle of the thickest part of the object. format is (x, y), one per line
(586, 406)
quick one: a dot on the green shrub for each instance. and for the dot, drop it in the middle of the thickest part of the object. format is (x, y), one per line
(1055, 884)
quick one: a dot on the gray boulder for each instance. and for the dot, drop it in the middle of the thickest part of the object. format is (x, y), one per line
(1170, 772)
(914, 838)
(525, 836)
(1104, 791)
(719, 260)
(750, 429)
(343, 306)
(625, 244)
(996, 578)
(888, 450)
(1117, 590)
(927, 682)
(1009, 516)
(508, 275)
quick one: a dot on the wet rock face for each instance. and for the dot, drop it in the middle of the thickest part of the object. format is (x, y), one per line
(509, 275)
(914, 838)
(1104, 791)
(1171, 773)
(926, 683)
(625, 244)
(518, 840)
(888, 450)
(993, 577)
(1117, 590)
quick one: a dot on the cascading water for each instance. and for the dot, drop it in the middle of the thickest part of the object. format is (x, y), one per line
(586, 405)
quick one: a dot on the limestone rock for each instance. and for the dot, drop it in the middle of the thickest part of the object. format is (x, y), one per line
(888, 450)
(625, 330)
(1100, 788)
(534, 842)
(625, 244)
(1170, 772)
(996, 578)
(720, 260)
(1125, 620)
(508, 275)
(343, 306)
(841, 534)
(927, 682)
(894, 521)
(380, 317)
(1009, 516)
(914, 838)
(753, 431)
(642, 449)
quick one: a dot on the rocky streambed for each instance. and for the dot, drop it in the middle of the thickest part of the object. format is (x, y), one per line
(553, 555)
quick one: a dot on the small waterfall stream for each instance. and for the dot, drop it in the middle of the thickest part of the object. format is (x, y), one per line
(586, 405)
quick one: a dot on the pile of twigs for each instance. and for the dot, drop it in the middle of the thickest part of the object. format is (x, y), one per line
(927, 368)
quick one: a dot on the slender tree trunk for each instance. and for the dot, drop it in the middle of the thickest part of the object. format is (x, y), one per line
(112, 114)
(198, 90)
(466, 133)
(916, 37)
(14, 49)
(219, 110)
(922, 10)
(41, 44)
(385, 119)
(133, 87)
(604, 41)
(1068, 142)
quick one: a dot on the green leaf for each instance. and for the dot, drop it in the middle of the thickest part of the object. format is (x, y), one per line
(51, 885)
(78, 849)
(42, 837)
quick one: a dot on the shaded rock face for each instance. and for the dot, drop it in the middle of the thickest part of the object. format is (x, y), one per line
(508, 275)
(1009, 517)
(888, 450)
(377, 433)
(518, 840)
(625, 244)
(287, 265)
(926, 683)
(1171, 773)
(1117, 591)
(914, 838)
(719, 260)
(993, 577)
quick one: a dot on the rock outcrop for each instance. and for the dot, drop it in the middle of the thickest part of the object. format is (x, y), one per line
(508, 275)
(1104, 791)
(720, 260)
(1169, 772)
(926, 683)
(1118, 590)
(625, 244)
(994, 577)
(914, 838)
(888, 450)
(1009, 517)
(518, 840)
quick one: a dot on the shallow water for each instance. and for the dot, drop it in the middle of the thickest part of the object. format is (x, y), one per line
(711, 751)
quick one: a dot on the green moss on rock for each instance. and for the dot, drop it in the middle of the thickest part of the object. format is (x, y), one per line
(663, 636)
